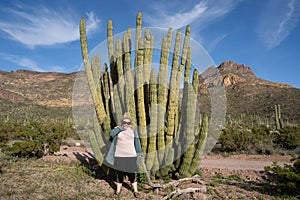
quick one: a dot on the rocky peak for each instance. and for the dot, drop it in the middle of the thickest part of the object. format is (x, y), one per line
(234, 68)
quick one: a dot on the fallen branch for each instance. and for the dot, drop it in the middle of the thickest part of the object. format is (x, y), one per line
(179, 192)
(194, 179)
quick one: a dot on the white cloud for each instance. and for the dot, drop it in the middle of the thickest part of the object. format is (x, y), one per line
(58, 69)
(278, 22)
(201, 14)
(43, 27)
(177, 20)
(21, 61)
(215, 42)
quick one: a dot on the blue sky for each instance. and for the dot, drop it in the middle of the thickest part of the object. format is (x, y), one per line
(262, 34)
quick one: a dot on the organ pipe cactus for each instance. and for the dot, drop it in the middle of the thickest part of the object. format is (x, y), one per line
(174, 141)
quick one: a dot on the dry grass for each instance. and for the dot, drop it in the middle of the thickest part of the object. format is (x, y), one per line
(37, 179)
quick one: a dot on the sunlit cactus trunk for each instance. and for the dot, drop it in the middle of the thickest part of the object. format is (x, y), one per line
(199, 147)
(111, 55)
(120, 71)
(141, 113)
(278, 120)
(96, 71)
(189, 132)
(97, 98)
(129, 86)
(172, 102)
(152, 154)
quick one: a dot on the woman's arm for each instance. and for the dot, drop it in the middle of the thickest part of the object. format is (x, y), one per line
(116, 131)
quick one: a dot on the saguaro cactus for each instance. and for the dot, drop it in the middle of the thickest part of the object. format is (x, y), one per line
(175, 139)
(278, 120)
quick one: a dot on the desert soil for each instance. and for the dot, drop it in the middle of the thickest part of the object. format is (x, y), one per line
(225, 177)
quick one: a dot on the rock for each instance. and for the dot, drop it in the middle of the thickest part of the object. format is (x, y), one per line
(231, 79)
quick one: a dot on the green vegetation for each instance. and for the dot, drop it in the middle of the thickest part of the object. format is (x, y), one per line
(286, 179)
(31, 138)
(244, 138)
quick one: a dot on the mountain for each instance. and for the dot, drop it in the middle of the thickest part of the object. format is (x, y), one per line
(35, 94)
(40, 94)
(247, 94)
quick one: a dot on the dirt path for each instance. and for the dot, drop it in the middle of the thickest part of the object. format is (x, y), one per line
(226, 177)
(232, 162)
(243, 162)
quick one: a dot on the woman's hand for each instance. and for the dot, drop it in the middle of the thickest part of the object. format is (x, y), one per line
(125, 126)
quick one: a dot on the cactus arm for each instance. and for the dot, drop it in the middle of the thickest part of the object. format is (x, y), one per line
(141, 114)
(188, 65)
(117, 103)
(173, 97)
(151, 154)
(189, 132)
(106, 89)
(111, 52)
(95, 146)
(96, 70)
(147, 56)
(195, 81)
(200, 145)
(97, 98)
(120, 74)
(129, 93)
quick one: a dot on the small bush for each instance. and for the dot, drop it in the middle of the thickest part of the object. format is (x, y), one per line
(237, 138)
(288, 137)
(241, 138)
(287, 178)
(34, 138)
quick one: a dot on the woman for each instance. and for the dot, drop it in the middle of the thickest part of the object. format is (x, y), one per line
(124, 152)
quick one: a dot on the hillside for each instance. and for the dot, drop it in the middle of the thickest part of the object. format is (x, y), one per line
(250, 95)
(27, 93)
(35, 94)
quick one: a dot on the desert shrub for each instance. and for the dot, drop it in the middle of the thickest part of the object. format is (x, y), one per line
(287, 178)
(237, 138)
(258, 139)
(288, 137)
(34, 138)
